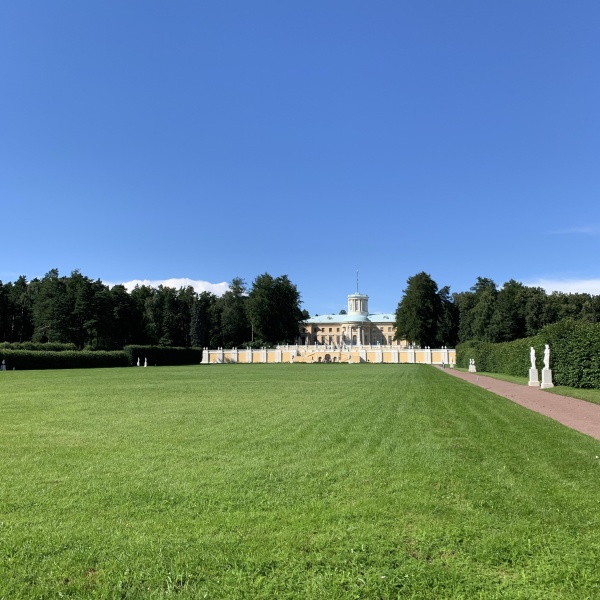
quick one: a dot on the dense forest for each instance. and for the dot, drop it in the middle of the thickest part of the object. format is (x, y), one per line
(92, 315)
(489, 314)
(89, 314)
(430, 316)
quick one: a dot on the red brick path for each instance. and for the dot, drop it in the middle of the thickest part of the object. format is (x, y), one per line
(576, 414)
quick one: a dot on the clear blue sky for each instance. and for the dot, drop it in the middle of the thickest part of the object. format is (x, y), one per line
(214, 139)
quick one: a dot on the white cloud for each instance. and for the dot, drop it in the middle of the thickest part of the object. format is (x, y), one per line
(585, 230)
(568, 286)
(199, 286)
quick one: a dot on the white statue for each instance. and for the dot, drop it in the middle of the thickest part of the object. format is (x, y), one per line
(547, 357)
(532, 355)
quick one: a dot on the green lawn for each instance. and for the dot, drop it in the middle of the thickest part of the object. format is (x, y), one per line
(289, 481)
(581, 394)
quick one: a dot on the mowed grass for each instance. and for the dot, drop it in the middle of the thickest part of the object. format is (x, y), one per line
(289, 481)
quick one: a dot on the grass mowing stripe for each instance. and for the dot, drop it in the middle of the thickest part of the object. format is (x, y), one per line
(313, 481)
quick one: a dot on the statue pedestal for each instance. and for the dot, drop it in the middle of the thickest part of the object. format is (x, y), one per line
(472, 369)
(533, 378)
(547, 379)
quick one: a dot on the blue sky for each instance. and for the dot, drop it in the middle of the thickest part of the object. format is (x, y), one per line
(144, 140)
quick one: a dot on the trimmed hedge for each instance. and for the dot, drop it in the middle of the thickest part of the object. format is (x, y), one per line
(163, 355)
(46, 347)
(575, 353)
(511, 358)
(63, 358)
(574, 357)
(66, 359)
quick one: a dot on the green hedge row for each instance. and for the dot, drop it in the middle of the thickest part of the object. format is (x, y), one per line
(47, 347)
(163, 355)
(77, 359)
(66, 359)
(511, 358)
(574, 354)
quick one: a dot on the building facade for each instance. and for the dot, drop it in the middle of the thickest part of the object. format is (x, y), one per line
(318, 353)
(357, 327)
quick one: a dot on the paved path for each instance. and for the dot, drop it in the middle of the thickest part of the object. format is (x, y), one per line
(576, 414)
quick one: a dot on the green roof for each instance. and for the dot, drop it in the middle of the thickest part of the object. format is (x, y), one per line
(355, 318)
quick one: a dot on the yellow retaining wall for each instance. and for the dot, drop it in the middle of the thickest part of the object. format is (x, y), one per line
(315, 354)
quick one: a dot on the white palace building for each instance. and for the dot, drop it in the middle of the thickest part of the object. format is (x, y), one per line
(354, 337)
(356, 327)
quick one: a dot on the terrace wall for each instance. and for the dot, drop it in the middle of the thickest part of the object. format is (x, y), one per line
(321, 353)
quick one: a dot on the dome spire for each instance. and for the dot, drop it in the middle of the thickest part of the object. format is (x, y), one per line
(358, 304)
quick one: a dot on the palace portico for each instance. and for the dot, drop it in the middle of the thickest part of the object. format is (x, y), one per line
(356, 327)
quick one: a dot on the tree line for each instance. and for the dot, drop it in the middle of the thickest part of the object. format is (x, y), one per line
(429, 316)
(89, 314)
